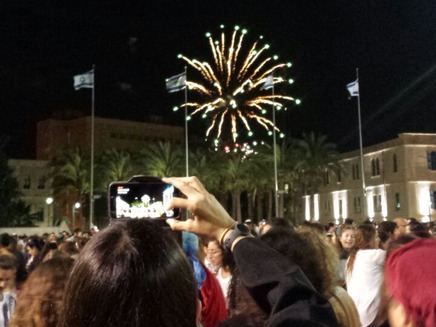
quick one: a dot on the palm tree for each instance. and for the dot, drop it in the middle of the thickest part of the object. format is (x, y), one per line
(260, 182)
(162, 159)
(315, 156)
(71, 178)
(114, 165)
(208, 166)
(286, 162)
(235, 180)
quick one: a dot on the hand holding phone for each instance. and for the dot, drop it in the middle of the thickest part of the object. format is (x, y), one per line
(142, 197)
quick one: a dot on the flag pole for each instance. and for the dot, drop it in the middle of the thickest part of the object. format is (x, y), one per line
(186, 123)
(91, 193)
(362, 168)
(276, 185)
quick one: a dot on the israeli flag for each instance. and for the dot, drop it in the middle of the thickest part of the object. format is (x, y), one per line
(176, 83)
(353, 88)
(85, 80)
(269, 82)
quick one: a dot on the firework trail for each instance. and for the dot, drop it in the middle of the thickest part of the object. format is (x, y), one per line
(232, 90)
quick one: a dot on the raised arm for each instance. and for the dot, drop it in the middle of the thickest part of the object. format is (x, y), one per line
(277, 285)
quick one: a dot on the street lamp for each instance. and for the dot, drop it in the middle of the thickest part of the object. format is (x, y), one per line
(75, 206)
(49, 201)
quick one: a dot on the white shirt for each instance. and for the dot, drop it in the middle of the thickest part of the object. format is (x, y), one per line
(224, 283)
(364, 282)
(7, 307)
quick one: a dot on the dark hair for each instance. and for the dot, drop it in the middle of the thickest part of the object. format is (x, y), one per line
(385, 230)
(314, 226)
(243, 310)
(228, 262)
(278, 223)
(296, 249)
(348, 221)
(418, 229)
(36, 242)
(136, 274)
(5, 239)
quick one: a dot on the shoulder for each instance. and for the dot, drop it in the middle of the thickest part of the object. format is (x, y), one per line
(372, 254)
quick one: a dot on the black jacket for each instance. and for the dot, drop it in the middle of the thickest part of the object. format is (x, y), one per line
(279, 287)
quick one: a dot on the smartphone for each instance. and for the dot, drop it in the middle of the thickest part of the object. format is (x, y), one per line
(142, 197)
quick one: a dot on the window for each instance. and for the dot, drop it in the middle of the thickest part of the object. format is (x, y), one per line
(357, 205)
(377, 203)
(41, 182)
(327, 207)
(397, 201)
(356, 171)
(340, 209)
(326, 177)
(394, 163)
(26, 184)
(339, 176)
(433, 199)
(375, 164)
(431, 160)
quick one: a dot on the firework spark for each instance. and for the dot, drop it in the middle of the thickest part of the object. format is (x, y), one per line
(232, 88)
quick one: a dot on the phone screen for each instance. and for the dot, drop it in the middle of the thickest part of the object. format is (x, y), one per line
(144, 199)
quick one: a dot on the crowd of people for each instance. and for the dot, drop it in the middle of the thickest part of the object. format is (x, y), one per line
(210, 271)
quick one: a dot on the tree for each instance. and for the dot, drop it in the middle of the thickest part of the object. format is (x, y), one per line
(208, 166)
(71, 179)
(286, 173)
(162, 159)
(14, 212)
(314, 158)
(114, 165)
(235, 180)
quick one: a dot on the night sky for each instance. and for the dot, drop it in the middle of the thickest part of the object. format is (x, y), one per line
(134, 46)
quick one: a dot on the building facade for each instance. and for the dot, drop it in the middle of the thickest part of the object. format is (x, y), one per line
(399, 180)
(54, 134)
(34, 183)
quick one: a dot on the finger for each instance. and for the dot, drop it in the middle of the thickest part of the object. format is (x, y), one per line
(182, 183)
(179, 225)
(195, 182)
(179, 203)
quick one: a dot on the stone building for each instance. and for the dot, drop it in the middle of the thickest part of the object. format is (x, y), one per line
(34, 183)
(399, 181)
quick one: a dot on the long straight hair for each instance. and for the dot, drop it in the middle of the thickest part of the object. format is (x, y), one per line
(131, 274)
(364, 236)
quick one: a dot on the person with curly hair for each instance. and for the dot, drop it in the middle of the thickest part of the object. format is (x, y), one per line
(40, 299)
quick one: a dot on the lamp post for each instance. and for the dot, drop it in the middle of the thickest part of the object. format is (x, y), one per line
(75, 206)
(49, 202)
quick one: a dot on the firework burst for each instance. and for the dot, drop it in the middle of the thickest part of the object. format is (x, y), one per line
(232, 91)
